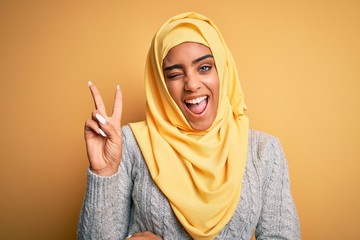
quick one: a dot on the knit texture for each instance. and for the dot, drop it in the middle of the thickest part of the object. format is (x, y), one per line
(130, 201)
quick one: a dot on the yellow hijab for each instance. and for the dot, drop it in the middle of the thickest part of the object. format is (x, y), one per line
(200, 173)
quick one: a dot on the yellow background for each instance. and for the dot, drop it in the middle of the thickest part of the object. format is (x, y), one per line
(298, 63)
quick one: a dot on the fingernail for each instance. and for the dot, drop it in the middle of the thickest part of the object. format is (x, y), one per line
(118, 87)
(89, 83)
(100, 118)
(102, 132)
(129, 236)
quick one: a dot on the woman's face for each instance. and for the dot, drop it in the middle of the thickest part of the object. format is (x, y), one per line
(192, 80)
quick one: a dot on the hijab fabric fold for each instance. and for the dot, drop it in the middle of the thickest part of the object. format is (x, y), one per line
(200, 172)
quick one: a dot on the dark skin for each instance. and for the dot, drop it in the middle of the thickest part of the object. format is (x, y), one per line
(190, 73)
(144, 236)
(104, 151)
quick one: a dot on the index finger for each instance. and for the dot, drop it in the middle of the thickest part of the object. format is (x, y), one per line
(99, 104)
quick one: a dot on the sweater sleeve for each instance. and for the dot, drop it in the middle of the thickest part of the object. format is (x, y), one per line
(107, 204)
(278, 217)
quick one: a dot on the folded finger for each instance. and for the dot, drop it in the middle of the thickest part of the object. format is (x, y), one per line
(106, 129)
(92, 127)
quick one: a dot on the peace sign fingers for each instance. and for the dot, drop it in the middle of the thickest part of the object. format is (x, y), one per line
(103, 135)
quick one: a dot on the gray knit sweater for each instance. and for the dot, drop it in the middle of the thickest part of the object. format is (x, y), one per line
(130, 201)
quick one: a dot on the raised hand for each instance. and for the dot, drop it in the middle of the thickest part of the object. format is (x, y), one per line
(103, 135)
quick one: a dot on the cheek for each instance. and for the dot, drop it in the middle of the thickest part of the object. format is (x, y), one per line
(174, 89)
(215, 86)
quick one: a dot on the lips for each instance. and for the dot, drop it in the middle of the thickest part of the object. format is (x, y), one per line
(197, 105)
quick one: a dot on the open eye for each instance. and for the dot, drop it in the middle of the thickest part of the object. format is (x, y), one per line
(204, 68)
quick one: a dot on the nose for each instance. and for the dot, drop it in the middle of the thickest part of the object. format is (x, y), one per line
(192, 84)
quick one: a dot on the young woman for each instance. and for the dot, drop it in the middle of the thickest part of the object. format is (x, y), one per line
(192, 169)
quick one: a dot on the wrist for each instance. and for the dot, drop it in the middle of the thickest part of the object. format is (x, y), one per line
(105, 172)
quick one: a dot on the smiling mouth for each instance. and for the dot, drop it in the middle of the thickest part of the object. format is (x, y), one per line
(197, 105)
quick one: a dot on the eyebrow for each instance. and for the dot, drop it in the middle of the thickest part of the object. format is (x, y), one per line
(193, 62)
(202, 58)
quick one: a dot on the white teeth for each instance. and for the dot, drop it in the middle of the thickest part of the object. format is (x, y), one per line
(196, 100)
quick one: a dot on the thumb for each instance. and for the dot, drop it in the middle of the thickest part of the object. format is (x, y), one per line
(106, 129)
